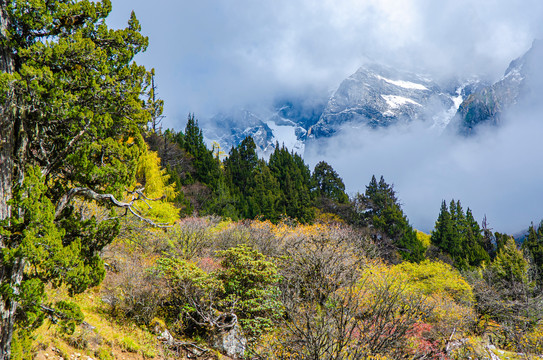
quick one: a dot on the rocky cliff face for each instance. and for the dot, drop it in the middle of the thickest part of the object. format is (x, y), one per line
(229, 129)
(520, 83)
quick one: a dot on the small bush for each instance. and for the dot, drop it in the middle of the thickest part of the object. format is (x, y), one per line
(70, 316)
(434, 277)
(129, 344)
(104, 353)
(21, 346)
(78, 341)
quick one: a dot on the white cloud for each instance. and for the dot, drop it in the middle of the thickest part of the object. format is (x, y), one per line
(495, 173)
(211, 54)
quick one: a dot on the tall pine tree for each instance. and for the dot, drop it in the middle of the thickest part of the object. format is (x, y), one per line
(380, 209)
(72, 110)
(328, 184)
(294, 178)
(533, 245)
(206, 166)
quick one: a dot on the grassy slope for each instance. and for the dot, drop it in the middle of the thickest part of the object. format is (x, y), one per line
(104, 339)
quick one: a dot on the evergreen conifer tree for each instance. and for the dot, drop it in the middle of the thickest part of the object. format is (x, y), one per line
(294, 178)
(459, 235)
(533, 244)
(382, 211)
(207, 168)
(327, 183)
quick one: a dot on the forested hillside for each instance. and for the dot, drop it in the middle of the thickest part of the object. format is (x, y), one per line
(119, 239)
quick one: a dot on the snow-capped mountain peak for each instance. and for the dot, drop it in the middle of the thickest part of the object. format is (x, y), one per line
(379, 96)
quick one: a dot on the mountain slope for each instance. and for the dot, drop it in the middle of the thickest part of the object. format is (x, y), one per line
(519, 84)
(285, 123)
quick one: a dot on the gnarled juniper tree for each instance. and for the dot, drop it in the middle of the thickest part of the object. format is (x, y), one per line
(72, 109)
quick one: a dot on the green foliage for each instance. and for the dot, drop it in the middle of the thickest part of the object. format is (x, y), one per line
(533, 245)
(104, 354)
(252, 185)
(380, 209)
(21, 346)
(49, 253)
(245, 285)
(75, 113)
(250, 285)
(70, 316)
(460, 236)
(129, 344)
(508, 301)
(294, 178)
(327, 183)
(206, 167)
(240, 164)
(193, 290)
(509, 264)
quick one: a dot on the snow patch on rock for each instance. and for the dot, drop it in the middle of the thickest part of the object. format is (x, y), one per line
(403, 84)
(394, 101)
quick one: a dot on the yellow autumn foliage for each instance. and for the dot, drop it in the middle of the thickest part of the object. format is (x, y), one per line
(423, 238)
(436, 278)
(154, 179)
(445, 290)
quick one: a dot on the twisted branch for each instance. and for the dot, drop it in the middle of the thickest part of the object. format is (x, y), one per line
(109, 199)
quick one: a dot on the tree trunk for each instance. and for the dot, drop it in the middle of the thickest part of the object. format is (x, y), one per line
(9, 273)
(6, 125)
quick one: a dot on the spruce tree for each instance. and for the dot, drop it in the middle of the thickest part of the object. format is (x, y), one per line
(382, 211)
(241, 170)
(489, 239)
(207, 168)
(533, 245)
(474, 242)
(509, 265)
(442, 228)
(458, 234)
(294, 178)
(327, 183)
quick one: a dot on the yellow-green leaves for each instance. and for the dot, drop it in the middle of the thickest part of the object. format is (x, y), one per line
(155, 181)
(433, 277)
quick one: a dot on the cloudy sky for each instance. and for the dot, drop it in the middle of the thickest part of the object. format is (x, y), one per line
(211, 55)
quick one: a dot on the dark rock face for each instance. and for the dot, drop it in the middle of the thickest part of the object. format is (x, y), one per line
(519, 84)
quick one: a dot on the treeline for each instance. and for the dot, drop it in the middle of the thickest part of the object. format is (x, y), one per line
(242, 186)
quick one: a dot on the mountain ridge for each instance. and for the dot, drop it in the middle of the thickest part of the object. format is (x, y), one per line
(379, 96)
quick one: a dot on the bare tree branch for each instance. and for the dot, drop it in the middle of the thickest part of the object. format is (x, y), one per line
(109, 199)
